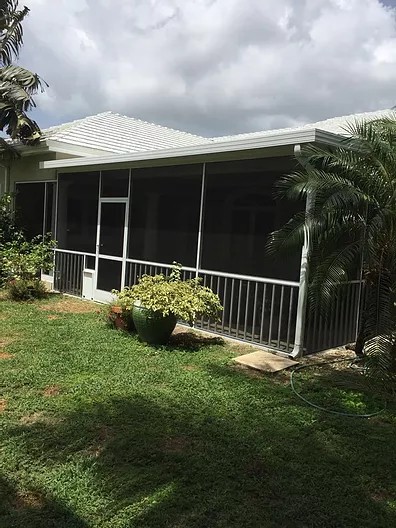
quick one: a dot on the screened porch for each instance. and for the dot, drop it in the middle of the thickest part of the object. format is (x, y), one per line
(112, 226)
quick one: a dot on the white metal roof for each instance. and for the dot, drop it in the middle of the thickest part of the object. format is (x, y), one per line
(328, 131)
(335, 125)
(115, 133)
(200, 152)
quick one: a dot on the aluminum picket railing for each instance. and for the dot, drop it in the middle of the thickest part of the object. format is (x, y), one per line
(257, 310)
(68, 271)
(340, 325)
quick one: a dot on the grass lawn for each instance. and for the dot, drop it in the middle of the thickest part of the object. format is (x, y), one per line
(99, 430)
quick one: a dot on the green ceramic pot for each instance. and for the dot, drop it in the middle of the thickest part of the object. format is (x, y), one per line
(153, 327)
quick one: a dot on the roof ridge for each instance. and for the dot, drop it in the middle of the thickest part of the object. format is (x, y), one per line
(75, 121)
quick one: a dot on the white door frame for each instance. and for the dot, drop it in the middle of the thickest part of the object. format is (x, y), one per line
(102, 295)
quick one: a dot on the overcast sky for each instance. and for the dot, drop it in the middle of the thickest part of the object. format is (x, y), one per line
(212, 67)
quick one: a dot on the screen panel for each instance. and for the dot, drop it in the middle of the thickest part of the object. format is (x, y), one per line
(240, 213)
(115, 183)
(78, 211)
(109, 275)
(112, 219)
(164, 214)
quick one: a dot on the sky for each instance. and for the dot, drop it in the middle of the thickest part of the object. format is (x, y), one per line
(212, 67)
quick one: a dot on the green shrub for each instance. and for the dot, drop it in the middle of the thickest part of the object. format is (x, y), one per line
(8, 228)
(186, 299)
(26, 289)
(21, 259)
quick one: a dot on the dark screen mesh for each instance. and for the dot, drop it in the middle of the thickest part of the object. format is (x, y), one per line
(78, 211)
(29, 208)
(164, 214)
(240, 212)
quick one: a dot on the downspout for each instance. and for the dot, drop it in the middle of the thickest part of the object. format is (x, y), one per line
(298, 348)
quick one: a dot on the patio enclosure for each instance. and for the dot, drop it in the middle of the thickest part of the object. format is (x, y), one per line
(112, 226)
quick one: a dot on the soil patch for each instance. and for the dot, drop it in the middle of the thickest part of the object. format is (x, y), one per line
(70, 306)
(335, 355)
(31, 419)
(192, 340)
(5, 341)
(383, 496)
(176, 444)
(3, 405)
(97, 448)
(51, 390)
(28, 499)
(191, 368)
(4, 355)
(38, 418)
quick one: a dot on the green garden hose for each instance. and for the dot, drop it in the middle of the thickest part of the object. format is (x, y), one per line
(318, 407)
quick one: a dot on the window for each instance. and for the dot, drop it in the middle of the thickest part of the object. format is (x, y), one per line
(78, 211)
(164, 214)
(34, 207)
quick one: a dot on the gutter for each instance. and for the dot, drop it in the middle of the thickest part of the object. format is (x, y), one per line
(288, 138)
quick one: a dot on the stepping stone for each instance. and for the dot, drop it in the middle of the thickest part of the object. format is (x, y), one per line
(265, 361)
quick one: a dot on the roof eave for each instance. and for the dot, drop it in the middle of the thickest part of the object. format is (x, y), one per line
(275, 140)
(48, 145)
(73, 149)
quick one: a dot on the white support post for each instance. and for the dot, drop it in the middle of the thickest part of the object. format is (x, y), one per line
(98, 234)
(201, 219)
(126, 232)
(298, 348)
(55, 234)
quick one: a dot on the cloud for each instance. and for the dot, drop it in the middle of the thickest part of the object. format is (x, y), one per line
(212, 66)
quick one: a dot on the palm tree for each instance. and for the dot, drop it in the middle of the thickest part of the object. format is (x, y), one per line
(351, 226)
(17, 85)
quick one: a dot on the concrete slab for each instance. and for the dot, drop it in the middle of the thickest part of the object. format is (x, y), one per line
(265, 361)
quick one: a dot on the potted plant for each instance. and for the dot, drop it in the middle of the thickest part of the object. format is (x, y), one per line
(158, 301)
(118, 315)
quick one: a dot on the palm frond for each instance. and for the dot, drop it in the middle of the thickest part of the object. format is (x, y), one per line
(330, 274)
(290, 236)
(17, 87)
(351, 226)
(11, 30)
(7, 150)
(18, 125)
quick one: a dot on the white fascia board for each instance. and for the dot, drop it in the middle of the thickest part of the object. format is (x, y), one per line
(59, 146)
(275, 140)
(75, 150)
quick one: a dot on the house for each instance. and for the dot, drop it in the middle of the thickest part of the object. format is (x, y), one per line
(125, 197)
